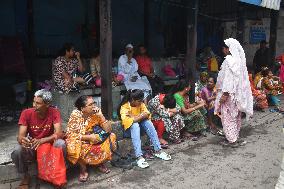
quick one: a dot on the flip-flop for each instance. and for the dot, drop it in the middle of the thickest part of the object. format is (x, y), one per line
(177, 141)
(221, 133)
(24, 185)
(102, 168)
(83, 178)
(165, 146)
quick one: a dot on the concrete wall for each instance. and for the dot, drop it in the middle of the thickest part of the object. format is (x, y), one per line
(280, 34)
(251, 48)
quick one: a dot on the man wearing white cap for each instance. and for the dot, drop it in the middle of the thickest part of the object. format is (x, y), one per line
(128, 67)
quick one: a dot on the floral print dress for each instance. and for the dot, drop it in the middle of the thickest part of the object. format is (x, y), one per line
(173, 125)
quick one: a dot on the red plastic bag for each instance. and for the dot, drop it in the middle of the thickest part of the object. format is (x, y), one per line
(51, 164)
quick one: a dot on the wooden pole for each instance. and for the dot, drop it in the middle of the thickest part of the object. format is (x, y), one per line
(106, 56)
(146, 23)
(274, 15)
(31, 44)
(191, 44)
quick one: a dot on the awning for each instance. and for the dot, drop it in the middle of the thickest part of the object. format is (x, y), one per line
(270, 4)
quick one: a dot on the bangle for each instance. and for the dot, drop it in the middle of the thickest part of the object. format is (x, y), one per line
(55, 136)
(193, 108)
(80, 137)
(105, 122)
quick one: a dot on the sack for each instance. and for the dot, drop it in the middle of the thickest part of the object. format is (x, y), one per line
(102, 133)
(51, 164)
(169, 71)
(213, 65)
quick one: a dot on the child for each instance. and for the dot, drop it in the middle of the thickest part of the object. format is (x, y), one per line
(135, 116)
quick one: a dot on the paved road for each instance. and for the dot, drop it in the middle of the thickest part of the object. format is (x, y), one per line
(206, 164)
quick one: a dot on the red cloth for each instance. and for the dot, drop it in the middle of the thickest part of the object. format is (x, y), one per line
(160, 127)
(40, 128)
(51, 164)
(144, 64)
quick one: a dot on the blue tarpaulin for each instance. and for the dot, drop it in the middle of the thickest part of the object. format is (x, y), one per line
(254, 2)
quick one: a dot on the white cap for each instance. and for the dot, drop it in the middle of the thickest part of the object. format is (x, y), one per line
(129, 46)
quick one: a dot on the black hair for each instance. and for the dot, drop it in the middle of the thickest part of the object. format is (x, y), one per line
(142, 45)
(169, 101)
(81, 102)
(180, 86)
(224, 45)
(263, 42)
(265, 72)
(214, 79)
(64, 48)
(133, 94)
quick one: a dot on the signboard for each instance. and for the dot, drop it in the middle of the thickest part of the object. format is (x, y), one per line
(257, 34)
(270, 4)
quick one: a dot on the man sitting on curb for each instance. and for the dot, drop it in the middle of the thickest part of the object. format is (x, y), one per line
(37, 125)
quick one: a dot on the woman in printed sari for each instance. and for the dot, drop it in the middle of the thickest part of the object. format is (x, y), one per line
(200, 84)
(208, 94)
(166, 116)
(84, 145)
(272, 87)
(193, 114)
(260, 99)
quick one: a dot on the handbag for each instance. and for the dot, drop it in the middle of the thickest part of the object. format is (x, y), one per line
(51, 164)
(101, 132)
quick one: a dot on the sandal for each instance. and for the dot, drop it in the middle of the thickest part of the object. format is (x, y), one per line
(165, 146)
(163, 156)
(83, 177)
(221, 133)
(24, 184)
(103, 169)
(142, 163)
(177, 141)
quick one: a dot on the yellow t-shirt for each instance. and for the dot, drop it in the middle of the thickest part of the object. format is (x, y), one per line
(127, 111)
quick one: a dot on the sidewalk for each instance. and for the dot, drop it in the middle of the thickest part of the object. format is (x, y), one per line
(9, 178)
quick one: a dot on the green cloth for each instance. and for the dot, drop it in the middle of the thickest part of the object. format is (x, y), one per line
(179, 100)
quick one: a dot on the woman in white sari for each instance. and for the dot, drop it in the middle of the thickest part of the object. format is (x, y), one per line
(234, 94)
(128, 67)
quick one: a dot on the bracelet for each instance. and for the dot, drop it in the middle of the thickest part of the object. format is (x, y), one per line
(80, 137)
(105, 122)
(55, 136)
(193, 108)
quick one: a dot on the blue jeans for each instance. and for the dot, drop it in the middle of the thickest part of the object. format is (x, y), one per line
(149, 128)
